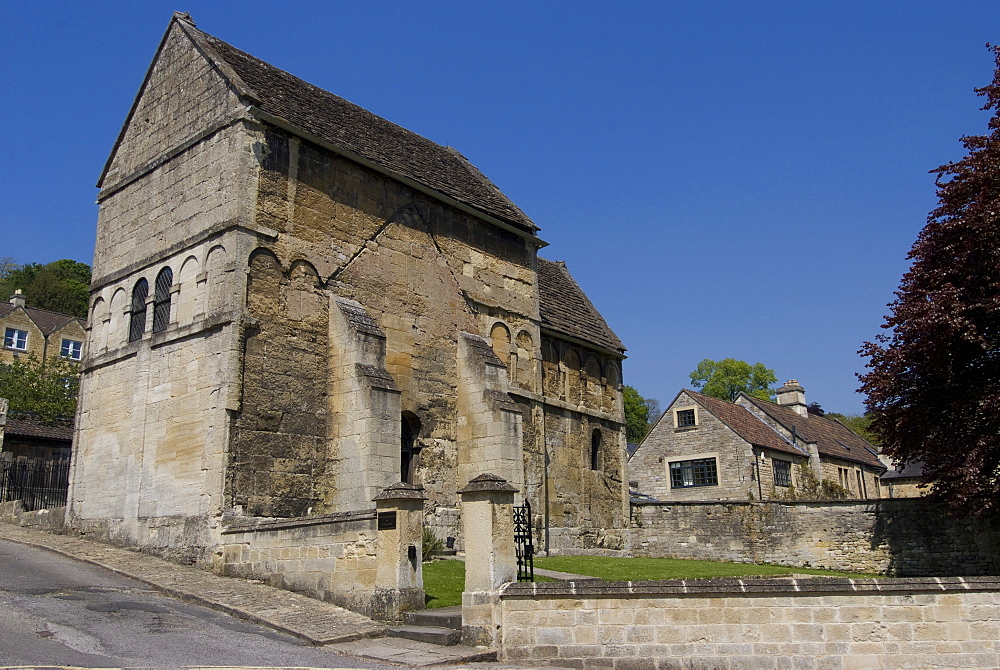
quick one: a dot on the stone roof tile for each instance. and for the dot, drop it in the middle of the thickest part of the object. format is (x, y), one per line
(832, 438)
(347, 126)
(565, 308)
(47, 321)
(28, 427)
(745, 424)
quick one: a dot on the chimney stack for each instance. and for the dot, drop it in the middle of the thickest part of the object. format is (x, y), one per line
(17, 299)
(793, 396)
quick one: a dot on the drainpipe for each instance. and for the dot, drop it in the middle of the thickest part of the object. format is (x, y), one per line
(545, 484)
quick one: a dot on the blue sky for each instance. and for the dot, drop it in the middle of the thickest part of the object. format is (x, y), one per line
(724, 179)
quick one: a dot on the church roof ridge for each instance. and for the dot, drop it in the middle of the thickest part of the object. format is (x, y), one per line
(348, 126)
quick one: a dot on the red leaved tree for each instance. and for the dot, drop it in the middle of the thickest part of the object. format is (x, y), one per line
(934, 384)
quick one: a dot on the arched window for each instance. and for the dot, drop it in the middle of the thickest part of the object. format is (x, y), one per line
(409, 450)
(595, 450)
(161, 300)
(137, 312)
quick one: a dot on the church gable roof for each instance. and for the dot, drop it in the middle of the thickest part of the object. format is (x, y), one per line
(356, 131)
(565, 308)
(182, 98)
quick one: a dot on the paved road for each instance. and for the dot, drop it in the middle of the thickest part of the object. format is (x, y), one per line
(56, 611)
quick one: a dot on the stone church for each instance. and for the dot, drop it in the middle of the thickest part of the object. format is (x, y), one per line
(297, 304)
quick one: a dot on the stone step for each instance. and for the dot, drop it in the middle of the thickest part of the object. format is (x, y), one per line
(442, 617)
(445, 637)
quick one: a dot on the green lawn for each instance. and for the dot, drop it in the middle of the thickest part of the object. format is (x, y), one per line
(444, 580)
(443, 583)
(635, 569)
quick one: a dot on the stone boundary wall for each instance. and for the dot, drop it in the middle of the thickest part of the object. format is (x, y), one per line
(901, 537)
(722, 624)
(52, 520)
(331, 557)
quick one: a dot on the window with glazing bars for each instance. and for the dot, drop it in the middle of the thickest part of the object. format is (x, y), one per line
(685, 418)
(14, 338)
(137, 313)
(161, 300)
(699, 472)
(782, 472)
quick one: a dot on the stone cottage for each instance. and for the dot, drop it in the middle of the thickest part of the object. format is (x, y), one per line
(29, 331)
(704, 448)
(297, 304)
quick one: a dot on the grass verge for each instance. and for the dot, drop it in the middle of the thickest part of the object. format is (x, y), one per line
(444, 580)
(635, 569)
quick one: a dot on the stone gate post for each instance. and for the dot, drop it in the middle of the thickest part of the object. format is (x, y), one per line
(399, 582)
(490, 562)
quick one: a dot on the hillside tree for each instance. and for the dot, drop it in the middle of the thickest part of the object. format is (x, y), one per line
(46, 389)
(727, 378)
(934, 381)
(640, 414)
(60, 286)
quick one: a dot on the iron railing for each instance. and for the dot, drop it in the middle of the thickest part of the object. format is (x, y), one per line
(39, 484)
(523, 545)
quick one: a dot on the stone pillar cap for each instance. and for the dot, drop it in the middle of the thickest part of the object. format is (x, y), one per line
(488, 482)
(401, 491)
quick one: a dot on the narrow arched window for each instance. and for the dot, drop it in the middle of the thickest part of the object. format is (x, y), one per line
(595, 450)
(161, 300)
(409, 452)
(137, 312)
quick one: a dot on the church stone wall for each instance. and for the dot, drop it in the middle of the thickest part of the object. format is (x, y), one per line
(153, 423)
(425, 273)
(183, 164)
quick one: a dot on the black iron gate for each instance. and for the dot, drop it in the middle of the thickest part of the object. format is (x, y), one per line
(39, 484)
(523, 546)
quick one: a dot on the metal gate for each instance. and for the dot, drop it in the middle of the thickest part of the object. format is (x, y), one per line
(38, 484)
(523, 545)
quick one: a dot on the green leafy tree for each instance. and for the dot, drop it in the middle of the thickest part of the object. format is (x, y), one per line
(859, 424)
(46, 389)
(640, 414)
(934, 381)
(61, 286)
(727, 378)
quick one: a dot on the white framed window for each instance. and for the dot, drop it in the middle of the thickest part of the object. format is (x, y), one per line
(15, 339)
(71, 349)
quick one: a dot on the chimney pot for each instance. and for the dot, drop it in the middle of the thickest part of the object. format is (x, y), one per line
(17, 299)
(793, 396)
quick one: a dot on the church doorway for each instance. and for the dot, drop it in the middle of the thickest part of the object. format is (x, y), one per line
(409, 451)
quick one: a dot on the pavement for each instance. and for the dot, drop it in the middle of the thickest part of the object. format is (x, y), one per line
(318, 622)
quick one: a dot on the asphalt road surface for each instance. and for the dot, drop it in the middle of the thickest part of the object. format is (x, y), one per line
(56, 611)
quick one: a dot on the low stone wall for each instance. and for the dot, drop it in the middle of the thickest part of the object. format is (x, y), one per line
(902, 537)
(52, 520)
(717, 624)
(331, 557)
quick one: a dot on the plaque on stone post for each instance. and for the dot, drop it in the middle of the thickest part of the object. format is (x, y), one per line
(399, 582)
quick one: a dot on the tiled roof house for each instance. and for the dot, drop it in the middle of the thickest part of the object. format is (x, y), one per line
(703, 448)
(39, 332)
